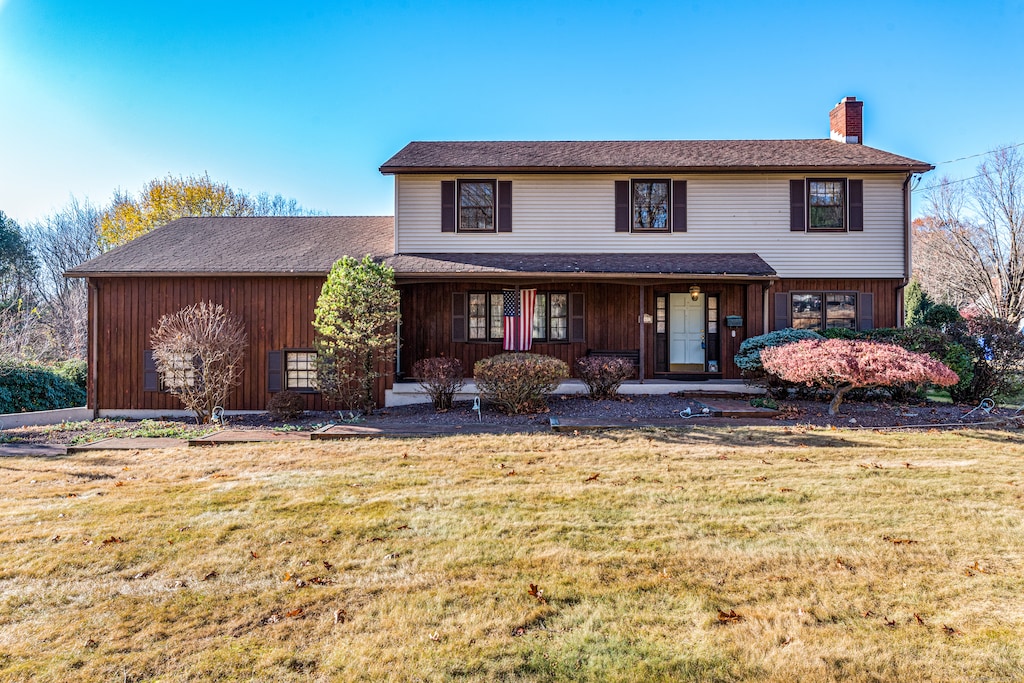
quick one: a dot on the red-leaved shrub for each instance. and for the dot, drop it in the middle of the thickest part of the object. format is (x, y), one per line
(840, 365)
(519, 382)
(603, 375)
(441, 378)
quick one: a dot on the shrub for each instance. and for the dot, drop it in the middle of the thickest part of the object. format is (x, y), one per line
(286, 405)
(841, 333)
(748, 358)
(996, 350)
(198, 352)
(935, 343)
(918, 303)
(942, 316)
(603, 375)
(75, 371)
(519, 382)
(839, 365)
(441, 378)
(28, 387)
(355, 320)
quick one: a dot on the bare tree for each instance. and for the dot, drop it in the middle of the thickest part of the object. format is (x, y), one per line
(62, 241)
(970, 247)
(198, 353)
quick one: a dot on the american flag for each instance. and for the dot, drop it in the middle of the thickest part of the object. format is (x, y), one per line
(517, 315)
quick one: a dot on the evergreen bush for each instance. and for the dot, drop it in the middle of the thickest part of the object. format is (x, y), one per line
(28, 387)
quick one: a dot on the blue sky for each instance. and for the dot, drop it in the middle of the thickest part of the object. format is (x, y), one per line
(308, 99)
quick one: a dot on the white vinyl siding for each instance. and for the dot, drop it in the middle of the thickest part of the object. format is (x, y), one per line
(725, 213)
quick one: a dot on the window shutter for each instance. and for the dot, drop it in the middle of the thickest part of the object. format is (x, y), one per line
(678, 206)
(797, 210)
(856, 192)
(504, 206)
(274, 373)
(577, 326)
(150, 377)
(447, 206)
(458, 316)
(865, 311)
(781, 311)
(621, 206)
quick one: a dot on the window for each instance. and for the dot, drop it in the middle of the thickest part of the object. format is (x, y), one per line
(827, 202)
(476, 205)
(486, 322)
(824, 310)
(300, 370)
(650, 205)
(181, 371)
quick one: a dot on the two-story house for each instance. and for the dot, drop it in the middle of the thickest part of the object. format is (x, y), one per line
(672, 251)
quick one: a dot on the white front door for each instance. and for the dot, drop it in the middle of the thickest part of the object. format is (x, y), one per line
(686, 330)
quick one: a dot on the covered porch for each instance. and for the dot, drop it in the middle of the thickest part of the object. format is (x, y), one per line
(678, 317)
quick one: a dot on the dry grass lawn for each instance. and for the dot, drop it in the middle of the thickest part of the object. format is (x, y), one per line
(703, 555)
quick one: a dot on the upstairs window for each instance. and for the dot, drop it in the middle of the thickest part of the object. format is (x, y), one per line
(476, 205)
(826, 199)
(650, 205)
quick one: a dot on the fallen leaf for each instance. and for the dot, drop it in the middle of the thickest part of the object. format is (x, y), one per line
(376, 539)
(891, 623)
(211, 575)
(950, 631)
(56, 539)
(898, 541)
(785, 490)
(765, 462)
(593, 477)
(113, 539)
(295, 613)
(91, 644)
(729, 617)
(118, 483)
(844, 564)
(867, 614)
(436, 637)
(184, 528)
(760, 478)
(328, 566)
(919, 619)
(404, 526)
(340, 616)
(538, 593)
(254, 555)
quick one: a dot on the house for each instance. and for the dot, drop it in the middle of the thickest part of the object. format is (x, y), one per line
(672, 252)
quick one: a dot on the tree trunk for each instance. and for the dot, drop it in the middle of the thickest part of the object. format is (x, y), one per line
(837, 398)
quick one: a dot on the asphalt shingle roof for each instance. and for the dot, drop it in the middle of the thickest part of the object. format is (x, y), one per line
(309, 245)
(649, 155)
(247, 245)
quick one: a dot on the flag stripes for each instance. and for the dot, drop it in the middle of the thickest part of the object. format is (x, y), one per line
(517, 317)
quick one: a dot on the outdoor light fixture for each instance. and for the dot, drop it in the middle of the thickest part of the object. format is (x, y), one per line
(694, 292)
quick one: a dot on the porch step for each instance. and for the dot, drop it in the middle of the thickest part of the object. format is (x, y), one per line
(407, 393)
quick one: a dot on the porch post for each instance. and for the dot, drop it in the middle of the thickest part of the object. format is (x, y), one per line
(643, 345)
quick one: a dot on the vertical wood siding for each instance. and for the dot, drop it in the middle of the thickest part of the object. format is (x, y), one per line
(725, 213)
(887, 295)
(277, 312)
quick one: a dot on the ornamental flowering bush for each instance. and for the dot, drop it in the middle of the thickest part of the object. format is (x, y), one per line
(603, 375)
(519, 382)
(839, 365)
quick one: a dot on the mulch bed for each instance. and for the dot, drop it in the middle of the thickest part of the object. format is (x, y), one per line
(626, 410)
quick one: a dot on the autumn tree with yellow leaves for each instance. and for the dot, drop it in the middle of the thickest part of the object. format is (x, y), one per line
(163, 200)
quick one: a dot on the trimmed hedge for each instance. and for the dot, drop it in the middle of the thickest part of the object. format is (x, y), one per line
(26, 387)
(519, 382)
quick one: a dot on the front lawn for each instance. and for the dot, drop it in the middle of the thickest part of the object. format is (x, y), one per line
(699, 554)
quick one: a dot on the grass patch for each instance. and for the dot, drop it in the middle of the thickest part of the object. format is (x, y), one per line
(700, 554)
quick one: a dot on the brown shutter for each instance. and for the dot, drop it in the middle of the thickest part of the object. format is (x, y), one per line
(577, 323)
(447, 206)
(797, 210)
(150, 377)
(678, 206)
(865, 311)
(274, 359)
(781, 311)
(504, 206)
(856, 190)
(458, 316)
(621, 206)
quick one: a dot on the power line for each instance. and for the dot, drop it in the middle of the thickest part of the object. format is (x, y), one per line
(945, 183)
(980, 154)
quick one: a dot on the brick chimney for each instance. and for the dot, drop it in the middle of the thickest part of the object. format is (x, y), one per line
(847, 121)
